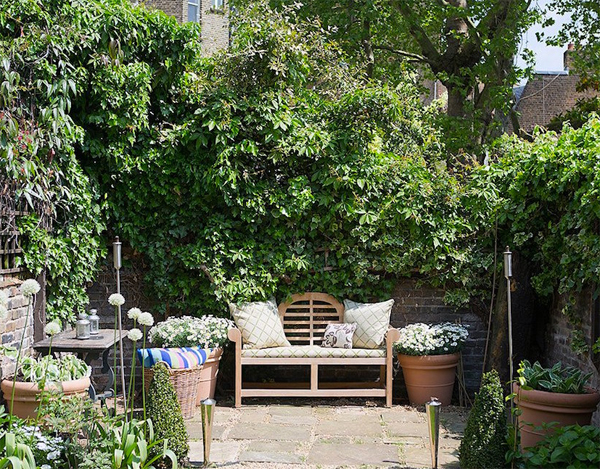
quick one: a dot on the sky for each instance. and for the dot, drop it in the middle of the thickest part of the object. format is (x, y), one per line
(548, 59)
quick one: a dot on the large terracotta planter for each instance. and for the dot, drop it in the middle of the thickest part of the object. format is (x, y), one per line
(539, 407)
(27, 395)
(208, 376)
(429, 376)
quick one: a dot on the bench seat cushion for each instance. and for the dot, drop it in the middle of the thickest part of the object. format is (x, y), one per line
(312, 351)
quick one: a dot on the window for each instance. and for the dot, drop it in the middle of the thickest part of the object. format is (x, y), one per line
(194, 10)
(216, 4)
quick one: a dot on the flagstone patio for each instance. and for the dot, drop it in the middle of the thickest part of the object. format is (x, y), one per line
(326, 436)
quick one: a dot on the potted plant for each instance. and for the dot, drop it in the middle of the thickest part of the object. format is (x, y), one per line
(428, 355)
(68, 375)
(544, 395)
(208, 333)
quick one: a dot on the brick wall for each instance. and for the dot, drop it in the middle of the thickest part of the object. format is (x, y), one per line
(176, 8)
(11, 329)
(546, 95)
(412, 304)
(214, 22)
(215, 28)
(558, 338)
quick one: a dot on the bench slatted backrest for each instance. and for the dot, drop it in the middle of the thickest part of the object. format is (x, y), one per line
(306, 316)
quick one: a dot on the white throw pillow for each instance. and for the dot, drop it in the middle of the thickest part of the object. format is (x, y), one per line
(259, 324)
(372, 322)
(338, 335)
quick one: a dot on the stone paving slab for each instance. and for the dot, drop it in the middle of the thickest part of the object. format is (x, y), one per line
(269, 431)
(273, 451)
(360, 428)
(325, 437)
(380, 455)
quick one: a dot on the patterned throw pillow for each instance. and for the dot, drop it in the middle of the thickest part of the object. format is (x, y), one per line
(338, 335)
(372, 322)
(259, 324)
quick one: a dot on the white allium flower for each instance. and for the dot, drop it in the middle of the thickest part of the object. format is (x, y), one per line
(52, 328)
(3, 298)
(30, 287)
(134, 334)
(146, 319)
(3, 312)
(116, 299)
(134, 313)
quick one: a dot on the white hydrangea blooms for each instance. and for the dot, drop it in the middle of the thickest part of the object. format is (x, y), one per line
(133, 313)
(424, 339)
(134, 334)
(52, 328)
(186, 331)
(29, 288)
(116, 299)
(146, 319)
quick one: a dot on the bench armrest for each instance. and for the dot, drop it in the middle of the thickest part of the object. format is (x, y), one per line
(235, 335)
(392, 336)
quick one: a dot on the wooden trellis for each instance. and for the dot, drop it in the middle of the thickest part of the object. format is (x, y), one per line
(10, 246)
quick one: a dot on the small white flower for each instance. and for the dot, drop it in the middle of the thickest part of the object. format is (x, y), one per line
(30, 287)
(53, 455)
(45, 466)
(134, 334)
(116, 299)
(3, 312)
(134, 313)
(42, 446)
(52, 328)
(146, 319)
(3, 298)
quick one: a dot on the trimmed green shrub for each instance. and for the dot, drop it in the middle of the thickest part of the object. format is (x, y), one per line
(484, 442)
(165, 412)
(572, 446)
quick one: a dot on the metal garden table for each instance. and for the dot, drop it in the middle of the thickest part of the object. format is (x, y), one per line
(88, 350)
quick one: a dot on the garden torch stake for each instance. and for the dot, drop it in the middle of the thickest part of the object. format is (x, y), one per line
(117, 264)
(508, 275)
(432, 409)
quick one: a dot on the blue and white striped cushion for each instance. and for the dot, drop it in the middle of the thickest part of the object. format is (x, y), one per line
(175, 357)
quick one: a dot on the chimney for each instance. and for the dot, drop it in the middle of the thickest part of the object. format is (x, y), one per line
(568, 57)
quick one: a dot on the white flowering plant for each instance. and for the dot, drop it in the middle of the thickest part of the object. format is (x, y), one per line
(426, 339)
(186, 331)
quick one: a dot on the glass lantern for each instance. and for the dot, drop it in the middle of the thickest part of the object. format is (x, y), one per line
(94, 321)
(82, 327)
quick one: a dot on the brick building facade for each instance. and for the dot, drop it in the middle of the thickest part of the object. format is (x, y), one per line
(560, 333)
(213, 16)
(13, 328)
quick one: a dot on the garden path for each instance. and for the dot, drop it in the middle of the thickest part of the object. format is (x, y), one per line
(309, 436)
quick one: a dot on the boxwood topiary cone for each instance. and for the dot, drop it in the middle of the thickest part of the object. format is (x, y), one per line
(165, 412)
(484, 441)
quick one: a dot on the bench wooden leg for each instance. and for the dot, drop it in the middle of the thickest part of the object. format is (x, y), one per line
(314, 377)
(238, 381)
(389, 373)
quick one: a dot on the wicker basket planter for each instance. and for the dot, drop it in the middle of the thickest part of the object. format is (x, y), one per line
(185, 382)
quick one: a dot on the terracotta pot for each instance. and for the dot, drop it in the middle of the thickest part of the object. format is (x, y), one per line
(27, 394)
(208, 376)
(538, 407)
(429, 376)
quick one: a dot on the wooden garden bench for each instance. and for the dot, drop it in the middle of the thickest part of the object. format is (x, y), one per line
(304, 320)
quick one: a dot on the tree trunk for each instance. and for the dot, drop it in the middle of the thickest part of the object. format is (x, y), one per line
(456, 102)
